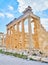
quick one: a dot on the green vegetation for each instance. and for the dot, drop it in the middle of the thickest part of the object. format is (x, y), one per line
(1, 51)
(14, 54)
(20, 55)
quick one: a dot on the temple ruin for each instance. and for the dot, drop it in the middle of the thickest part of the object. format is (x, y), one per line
(36, 37)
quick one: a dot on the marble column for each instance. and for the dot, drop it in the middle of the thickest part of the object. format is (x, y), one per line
(12, 42)
(17, 36)
(23, 35)
(30, 34)
(36, 28)
(7, 39)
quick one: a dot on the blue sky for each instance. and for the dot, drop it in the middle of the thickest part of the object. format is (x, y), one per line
(10, 9)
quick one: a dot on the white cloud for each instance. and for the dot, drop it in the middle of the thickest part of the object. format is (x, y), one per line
(2, 14)
(35, 4)
(9, 15)
(44, 22)
(10, 7)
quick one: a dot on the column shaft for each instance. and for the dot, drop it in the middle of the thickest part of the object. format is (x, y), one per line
(36, 28)
(30, 33)
(23, 35)
(18, 36)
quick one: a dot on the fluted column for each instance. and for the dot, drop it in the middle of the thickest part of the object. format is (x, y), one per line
(30, 33)
(36, 31)
(10, 39)
(7, 39)
(23, 35)
(18, 36)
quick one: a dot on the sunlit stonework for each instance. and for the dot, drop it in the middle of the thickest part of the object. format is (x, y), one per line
(36, 36)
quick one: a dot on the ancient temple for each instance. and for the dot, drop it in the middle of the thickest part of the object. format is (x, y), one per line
(33, 39)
